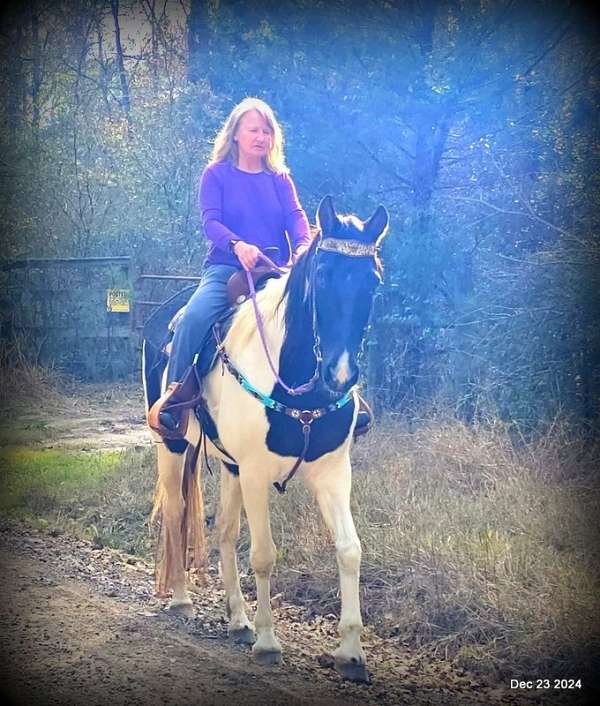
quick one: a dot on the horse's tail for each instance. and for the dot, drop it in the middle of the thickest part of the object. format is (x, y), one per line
(188, 541)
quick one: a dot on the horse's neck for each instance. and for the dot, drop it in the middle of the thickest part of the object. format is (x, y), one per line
(291, 350)
(243, 342)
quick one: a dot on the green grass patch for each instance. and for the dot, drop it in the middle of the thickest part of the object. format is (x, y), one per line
(104, 496)
(27, 431)
(39, 480)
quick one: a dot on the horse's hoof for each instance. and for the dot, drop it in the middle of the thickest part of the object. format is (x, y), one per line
(184, 610)
(243, 636)
(353, 671)
(268, 658)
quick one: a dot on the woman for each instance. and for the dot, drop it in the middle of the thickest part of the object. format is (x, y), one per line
(248, 203)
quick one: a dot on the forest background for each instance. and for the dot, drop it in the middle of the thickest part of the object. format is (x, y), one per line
(474, 123)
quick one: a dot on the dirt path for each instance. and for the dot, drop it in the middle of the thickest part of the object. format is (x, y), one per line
(81, 626)
(89, 417)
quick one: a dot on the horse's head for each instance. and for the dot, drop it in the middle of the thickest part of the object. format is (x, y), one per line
(344, 274)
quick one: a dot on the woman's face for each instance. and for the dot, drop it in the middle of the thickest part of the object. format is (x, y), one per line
(253, 135)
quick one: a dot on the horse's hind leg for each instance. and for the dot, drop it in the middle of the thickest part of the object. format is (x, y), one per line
(332, 489)
(171, 573)
(255, 492)
(240, 628)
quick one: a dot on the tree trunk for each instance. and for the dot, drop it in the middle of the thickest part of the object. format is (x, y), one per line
(114, 4)
(36, 74)
(197, 40)
(15, 95)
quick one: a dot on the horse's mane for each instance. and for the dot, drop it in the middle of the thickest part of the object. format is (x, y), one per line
(295, 295)
(293, 300)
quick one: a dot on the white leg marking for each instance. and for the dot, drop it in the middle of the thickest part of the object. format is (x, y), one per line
(228, 524)
(332, 489)
(255, 492)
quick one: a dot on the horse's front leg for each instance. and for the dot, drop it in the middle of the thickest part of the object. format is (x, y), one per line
(228, 524)
(255, 493)
(332, 486)
(171, 573)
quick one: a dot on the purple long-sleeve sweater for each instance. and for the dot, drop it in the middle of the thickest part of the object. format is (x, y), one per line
(257, 208)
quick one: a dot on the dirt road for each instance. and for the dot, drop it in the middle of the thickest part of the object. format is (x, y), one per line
(81, 626)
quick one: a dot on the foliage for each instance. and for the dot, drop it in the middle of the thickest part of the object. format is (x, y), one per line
(475, 123)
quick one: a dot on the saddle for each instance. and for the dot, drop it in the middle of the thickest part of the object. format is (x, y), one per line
(160, 326)
(237, 286)
(237, 293)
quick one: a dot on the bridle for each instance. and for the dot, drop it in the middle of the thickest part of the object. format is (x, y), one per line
(349, 248)
(307, 386)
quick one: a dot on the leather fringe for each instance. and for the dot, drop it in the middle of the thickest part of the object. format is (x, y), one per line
(190, 547)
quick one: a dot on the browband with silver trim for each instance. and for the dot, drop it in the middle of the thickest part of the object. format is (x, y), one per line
(353, 248)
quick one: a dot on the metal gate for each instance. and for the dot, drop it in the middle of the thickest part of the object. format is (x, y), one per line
(82, 315)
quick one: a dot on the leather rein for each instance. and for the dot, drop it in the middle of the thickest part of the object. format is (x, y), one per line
(307, 386)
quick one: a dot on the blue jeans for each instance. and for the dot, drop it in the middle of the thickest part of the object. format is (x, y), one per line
(206, 305)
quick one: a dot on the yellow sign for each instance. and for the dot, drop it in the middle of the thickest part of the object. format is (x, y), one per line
(117, 300)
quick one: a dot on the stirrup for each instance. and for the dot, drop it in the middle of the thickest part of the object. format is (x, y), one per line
(177, 400)
(174, 409)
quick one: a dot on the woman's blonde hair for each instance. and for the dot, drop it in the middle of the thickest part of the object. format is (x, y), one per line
(226, 147)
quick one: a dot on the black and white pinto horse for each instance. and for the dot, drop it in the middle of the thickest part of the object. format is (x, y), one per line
(315, 320)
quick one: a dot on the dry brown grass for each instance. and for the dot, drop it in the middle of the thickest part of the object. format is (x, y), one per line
(28, 389)
(25, 385)
(475, 545)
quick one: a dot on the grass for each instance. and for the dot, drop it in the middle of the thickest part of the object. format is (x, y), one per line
(102, 496)
(478, 545)
(41, 480)
(473, 546)
(25, 385)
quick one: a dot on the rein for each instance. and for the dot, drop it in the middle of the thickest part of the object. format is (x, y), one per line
(349, 248)
(305, 417)
(307, 386)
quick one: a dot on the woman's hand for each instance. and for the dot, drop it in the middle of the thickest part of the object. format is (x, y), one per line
(247, 254)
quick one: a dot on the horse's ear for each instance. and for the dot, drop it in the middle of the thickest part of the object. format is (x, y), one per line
(376, 227)
(326, 216)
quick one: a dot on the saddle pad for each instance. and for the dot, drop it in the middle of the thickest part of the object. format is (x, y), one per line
(156, 327)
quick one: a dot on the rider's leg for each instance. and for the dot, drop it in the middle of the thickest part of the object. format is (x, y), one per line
(169, 414)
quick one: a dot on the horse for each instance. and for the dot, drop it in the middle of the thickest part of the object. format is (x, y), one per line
(259, 421)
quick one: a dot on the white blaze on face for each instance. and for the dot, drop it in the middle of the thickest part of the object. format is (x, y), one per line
(342, 369)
